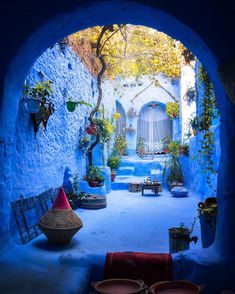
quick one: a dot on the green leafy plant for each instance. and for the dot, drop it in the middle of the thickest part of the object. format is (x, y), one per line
(172, 109)
(113, 162)
(42, 92)
(172, 170)
(174, 148)
(104, 128)
(71, 105)
(83, 144)
(95, 174)
(120, 145)
(194, 123)
(190, 95)
(210, 112)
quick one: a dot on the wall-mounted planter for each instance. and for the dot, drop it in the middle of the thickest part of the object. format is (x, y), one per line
(90, 130)
(130, 130)
(32, 105)
(71, 105)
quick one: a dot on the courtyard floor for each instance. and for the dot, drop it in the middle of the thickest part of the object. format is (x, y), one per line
(130, 222)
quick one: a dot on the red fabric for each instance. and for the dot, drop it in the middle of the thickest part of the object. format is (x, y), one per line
(61, 201)
(149, 267)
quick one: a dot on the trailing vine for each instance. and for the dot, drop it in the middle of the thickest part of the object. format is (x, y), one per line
(210, 112)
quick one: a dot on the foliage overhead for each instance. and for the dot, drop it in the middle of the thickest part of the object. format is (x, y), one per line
(130, 51)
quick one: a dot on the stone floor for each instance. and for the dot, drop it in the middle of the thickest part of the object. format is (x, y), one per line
(130, 222)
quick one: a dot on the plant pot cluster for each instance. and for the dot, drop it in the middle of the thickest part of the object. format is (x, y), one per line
(95, 177)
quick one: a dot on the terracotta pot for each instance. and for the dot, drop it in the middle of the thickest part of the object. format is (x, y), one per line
(174, 287)
(93, 183)
(113, 176)
(166, 150)
(120, 286)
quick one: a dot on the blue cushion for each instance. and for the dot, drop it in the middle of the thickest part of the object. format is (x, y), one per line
(179, 192)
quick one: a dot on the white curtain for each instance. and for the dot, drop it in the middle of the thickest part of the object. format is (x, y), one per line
(153, 126)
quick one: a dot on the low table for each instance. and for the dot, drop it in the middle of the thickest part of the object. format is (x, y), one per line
(155, 188)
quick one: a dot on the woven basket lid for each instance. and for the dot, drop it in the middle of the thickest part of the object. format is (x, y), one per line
(61, 201)
(60, 219)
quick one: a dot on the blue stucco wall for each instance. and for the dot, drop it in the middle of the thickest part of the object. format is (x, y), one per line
(39, 163)
(195, 178)
(28, 30)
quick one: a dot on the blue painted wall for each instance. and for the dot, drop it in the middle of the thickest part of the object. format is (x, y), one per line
(194, 174)
(39, 163)
(205, 27)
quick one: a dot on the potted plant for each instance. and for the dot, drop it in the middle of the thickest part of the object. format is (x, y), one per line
(120, 145)
(184, 149)
(194, 124)
(71, 105)
(172, 109)
(113, 163)
(95, 177)
(83, 144)
(172, 171)
(207, 212)
(190, 95)
(165, 142)
(105, 129)
(35, 96)
(180, 238)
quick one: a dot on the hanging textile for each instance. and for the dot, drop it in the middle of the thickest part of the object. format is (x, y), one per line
(153, 126)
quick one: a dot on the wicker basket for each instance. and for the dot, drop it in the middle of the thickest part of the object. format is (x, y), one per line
(93, 202)
(60, 225)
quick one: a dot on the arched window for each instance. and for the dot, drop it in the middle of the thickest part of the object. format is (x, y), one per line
(153, 126)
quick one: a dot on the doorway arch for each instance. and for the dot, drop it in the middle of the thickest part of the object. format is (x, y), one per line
(99, 13)
(153, 126)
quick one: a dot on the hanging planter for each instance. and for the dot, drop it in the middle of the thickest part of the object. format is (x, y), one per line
(71, 105)
(90, 130)
(35, 96)
(32, 105)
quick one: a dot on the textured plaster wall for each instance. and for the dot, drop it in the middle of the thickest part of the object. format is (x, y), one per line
(195, 178)
(38, 163)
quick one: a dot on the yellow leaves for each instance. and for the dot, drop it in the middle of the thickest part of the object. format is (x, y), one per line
(136, 50)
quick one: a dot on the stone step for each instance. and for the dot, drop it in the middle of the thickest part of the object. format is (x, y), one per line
(125, 170)
(122, 182)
